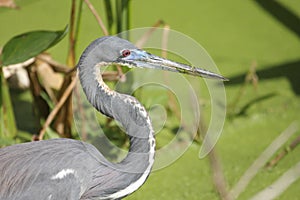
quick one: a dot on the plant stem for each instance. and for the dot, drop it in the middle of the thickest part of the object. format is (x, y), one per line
(1, 103)
(109, 15)
(78, 21)
(252, 171)
(98, 18)
(8, 125)
(57, 107)
(122, 16)
(71, 54)
(283, 153)
(126, 8)
(63, 121)
(118, 16)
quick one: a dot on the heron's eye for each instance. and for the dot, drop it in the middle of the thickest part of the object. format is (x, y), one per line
(126, 53)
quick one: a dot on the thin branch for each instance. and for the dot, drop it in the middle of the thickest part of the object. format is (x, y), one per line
(218, 176)
(280, 185)
(57, 107)
(98, 18)
(165, 38)
(251, 77)
(78, 21)
(114, 75)
(71, 53)
(120, 75)
(140, 43)
(261, 160)
(283, 153)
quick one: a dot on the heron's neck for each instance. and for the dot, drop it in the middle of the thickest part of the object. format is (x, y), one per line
(124, 108)
(132, 116)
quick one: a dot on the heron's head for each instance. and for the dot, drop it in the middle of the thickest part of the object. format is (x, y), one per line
(119, 51)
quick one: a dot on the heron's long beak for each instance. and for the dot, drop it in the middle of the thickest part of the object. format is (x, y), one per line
(143, 59)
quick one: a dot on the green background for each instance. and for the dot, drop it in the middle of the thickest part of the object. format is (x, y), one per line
(235, 33)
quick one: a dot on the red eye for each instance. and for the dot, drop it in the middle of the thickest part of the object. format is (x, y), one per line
(126, 53)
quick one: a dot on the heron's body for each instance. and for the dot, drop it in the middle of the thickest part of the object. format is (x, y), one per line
(72, 170)
(28, 174)
(68, 169)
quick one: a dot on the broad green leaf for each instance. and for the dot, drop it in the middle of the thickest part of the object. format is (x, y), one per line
(30, 44)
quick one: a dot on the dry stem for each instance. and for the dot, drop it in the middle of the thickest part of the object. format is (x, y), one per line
(57, 107)
(98, 18)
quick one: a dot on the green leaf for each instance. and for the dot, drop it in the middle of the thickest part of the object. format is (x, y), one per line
(8, 127)
(1, 103)
(109, 14)
(51, 134)
(30, 44)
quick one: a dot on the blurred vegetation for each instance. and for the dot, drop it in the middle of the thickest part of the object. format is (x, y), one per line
(254, 43)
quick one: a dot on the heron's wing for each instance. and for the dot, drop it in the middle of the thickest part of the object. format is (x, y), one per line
(59, 169)
(67, 188)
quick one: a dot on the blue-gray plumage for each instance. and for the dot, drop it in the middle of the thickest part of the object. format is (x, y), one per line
(68, 169)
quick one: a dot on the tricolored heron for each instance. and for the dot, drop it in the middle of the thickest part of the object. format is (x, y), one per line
(70, 169)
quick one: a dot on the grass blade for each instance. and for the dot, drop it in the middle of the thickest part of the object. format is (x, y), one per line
(7, 121)
(109, 15)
